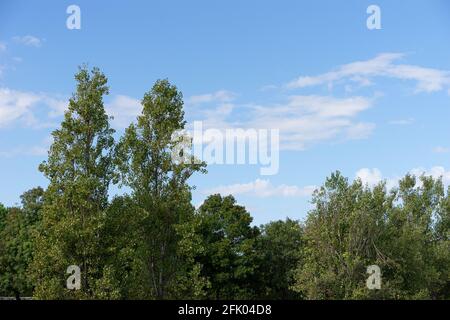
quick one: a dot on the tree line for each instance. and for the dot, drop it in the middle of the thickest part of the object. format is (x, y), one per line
(154, 244)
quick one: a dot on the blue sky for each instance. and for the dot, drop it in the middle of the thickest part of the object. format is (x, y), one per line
(370, 103)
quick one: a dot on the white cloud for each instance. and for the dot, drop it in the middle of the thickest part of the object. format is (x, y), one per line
(28, 40)
(2, 49)
(218, 96)
(435, 172)
(329, 107)
(263, 189)
(356, 71)
(360, 130)
(34, 151)
(305, 120)
(57, 105)
(383, 65)
(124, 109)
(440, 149)
(268, 87)
(22, 106)
(18, 106)
(372, 177)
(310, 119)
(38, 151)
(15, 105)
(402, 122)
(302, 120)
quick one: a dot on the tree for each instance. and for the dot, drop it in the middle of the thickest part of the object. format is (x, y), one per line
(229, 259)
(3, 213)
(15, 252)
(122, 234)
(32, 203)
(17, 244)
(354, 226)
(417, 239)
(342, 237)
(79, 169)
(159, 187)
(279, 247)
(442, 240)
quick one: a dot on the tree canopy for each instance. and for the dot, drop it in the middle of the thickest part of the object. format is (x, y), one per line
(150, 242)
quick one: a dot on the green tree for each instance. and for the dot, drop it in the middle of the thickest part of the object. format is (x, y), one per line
(352, 226)
(442, 240)
(15, 253)
(3, 213)
(229, 259)
(159, 189)
(122, 235)
(342, 237)
(17, 245)
(417, 241)
(79, 169)
(32, 203)
(279, 246)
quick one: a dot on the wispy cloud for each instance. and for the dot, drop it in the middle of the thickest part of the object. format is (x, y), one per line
(302, 120)
(440, 149)
(263, 189)
(268, 87)
(435, 172)
(218, 96)
(383, 65)
(402, 122)
(2, 49)
(18, 106)
(39, 150)
(15, 105)
(124, 109)
(23, 106)
(28, 40)
(369, 176)
(372, 177)
(305, 120)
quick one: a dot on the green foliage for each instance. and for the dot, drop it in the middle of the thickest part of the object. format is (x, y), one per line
(153, 244)
(15, 251)
(160, 191)
(122, 235)
(17, 234)
(229, 242)
(3, 213)
(420, 250)
(79, 168)
(279, 248)
(353, 226)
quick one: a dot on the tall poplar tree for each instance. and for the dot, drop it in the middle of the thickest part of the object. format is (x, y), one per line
(79, 169)
(160, 190)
